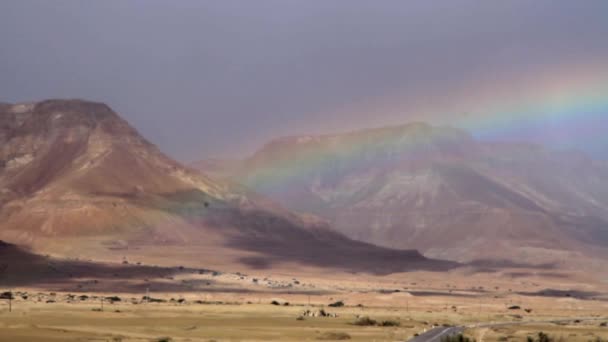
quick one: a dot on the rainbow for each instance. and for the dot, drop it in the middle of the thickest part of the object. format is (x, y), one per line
(556, 109)
(577, 109)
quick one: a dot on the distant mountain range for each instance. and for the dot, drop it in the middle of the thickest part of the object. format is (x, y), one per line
(78, 181)
(436, 189)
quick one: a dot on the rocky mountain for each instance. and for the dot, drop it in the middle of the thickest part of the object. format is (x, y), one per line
(76, 180)
(439, 190)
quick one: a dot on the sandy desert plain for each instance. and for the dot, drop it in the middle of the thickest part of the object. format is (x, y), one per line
(188, 304)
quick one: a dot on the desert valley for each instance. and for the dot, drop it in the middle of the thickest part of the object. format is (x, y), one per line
(101, 227)
(297, 170)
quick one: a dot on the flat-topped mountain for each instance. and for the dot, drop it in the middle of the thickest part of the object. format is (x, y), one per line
(439, 190)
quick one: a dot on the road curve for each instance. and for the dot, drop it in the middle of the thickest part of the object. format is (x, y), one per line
(435, 334)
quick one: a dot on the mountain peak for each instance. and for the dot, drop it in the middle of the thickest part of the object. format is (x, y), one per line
(55, 115)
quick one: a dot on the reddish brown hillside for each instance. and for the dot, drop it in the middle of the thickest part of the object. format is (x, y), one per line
(77, 180)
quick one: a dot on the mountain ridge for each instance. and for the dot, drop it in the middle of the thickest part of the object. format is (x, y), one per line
(76, 180)
(437, 189)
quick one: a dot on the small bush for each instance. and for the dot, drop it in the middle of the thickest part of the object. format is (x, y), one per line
(456, 338)
(337, 304)
(152, 300)
(604, 324)
(541, 337)
(365, 321)
(389, 323)
(514, 307)
(113, 299)
(7, 295)
(334, 336)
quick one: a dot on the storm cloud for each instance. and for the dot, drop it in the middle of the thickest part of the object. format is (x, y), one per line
(218, 78)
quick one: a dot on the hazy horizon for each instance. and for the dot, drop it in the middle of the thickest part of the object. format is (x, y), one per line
(219, 79)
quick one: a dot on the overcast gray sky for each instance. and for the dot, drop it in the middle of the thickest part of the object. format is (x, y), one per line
(218, 78)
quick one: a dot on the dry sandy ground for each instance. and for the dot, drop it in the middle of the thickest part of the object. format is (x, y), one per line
(237, 307)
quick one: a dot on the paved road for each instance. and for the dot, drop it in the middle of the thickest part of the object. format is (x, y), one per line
(435, 334)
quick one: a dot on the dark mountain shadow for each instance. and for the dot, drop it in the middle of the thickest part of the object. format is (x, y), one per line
(19, 267)
(497, 264)
(578, 294)
(278, 240)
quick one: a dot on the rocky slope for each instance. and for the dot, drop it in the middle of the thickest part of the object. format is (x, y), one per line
(438, 190)
(76, 180)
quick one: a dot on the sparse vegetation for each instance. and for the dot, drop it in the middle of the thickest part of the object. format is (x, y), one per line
(113, 299)
(365, 321)
(152, 300)
(541, 337)
(337, 304)
(389, 323)
(334, 336)
(457, 338)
